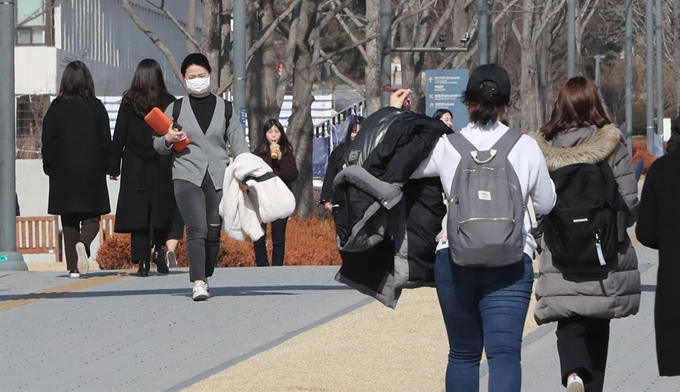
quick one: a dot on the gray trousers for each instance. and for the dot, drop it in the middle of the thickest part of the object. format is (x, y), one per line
(199, 207)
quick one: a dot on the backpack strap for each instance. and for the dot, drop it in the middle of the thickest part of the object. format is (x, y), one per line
(462, 145)
(506, 143)
(176, 107)
(500, 149)
(228, 111)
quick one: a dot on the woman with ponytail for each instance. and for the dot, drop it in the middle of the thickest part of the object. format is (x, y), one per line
(484, 299)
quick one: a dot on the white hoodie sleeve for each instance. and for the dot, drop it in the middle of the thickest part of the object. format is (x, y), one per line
(542, 189)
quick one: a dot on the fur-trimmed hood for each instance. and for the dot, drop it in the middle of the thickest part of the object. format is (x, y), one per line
(581, 145)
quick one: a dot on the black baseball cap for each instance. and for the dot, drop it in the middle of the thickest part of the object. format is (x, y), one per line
(491, 81)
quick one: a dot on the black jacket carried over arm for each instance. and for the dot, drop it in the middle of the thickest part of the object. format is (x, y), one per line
(387, 224)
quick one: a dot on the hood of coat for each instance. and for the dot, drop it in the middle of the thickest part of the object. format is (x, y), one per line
(579, 145)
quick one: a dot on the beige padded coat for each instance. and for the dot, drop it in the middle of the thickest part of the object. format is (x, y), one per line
(606, 292)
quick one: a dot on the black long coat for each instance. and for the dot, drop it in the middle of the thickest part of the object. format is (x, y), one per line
(75, 145)
(658, 226)
(146, 196)
(335, 162)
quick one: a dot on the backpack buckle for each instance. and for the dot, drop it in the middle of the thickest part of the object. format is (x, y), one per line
(492, 154)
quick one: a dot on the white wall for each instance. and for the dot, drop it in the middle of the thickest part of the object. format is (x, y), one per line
(36, 70)
(33, 189)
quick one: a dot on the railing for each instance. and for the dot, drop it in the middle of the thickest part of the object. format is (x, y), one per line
(324, 129)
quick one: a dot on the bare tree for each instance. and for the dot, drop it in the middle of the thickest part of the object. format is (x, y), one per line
(534, 22)
(373, 56)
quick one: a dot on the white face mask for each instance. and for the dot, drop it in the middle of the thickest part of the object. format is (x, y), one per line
(198, 85)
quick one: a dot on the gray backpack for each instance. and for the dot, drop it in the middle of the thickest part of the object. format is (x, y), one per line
(486, 208)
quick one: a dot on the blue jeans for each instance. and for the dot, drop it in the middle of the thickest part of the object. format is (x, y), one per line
(483, 308)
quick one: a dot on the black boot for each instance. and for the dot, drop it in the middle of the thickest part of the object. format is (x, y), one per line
(144, 267)
(159, 260)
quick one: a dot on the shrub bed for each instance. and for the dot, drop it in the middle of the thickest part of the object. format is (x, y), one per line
(308, 242)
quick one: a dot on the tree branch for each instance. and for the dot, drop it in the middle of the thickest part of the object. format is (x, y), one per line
(155, 40)
(174, 20)
(343, 77)
(271, 29)
(351, 35)
(347, 48)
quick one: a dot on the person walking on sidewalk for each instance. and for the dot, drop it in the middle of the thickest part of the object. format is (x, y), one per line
(145, 201)
(198, 170)
(579, 286)
(275, 149)
(657, 227)
(336, 162)
(176, 234)
(483, 269)
(76, 140)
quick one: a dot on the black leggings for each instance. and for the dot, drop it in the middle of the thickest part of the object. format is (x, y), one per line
(140, 242)
(582, 344)
(199, 207)
(278, 244)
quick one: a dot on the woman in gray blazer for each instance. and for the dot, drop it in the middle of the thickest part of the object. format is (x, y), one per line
(198, 170)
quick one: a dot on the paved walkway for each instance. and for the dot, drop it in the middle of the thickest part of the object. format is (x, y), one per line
(108, 332)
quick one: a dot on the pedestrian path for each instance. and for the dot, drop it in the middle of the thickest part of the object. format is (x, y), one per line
(114, 332)
(147, 334)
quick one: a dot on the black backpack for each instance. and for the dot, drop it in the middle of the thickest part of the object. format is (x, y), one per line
(582, 229)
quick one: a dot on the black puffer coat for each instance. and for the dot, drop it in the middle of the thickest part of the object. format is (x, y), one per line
(386, 223)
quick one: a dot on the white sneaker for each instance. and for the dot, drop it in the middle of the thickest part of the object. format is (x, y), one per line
(74, 274)
(200, 292)
(171, 259)
(83, 265)
(575, 384)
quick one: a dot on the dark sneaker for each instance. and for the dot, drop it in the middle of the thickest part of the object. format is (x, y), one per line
(74, 274)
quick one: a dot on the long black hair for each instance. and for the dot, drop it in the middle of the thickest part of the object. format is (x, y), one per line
(147, 88)
(356, 122)
(263, 145)
(76, 83)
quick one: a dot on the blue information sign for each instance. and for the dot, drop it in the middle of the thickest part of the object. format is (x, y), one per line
(443, 89)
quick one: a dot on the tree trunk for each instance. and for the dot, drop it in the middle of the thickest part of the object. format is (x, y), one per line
(261, 76)
(225, 47)
(300, 125)
(527, 85)
(373, 54)
(210, 37)
(191, 25)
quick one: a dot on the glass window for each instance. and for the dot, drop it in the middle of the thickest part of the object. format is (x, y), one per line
(38, 36)
(34, 22)
(24, 36)
(31, 12)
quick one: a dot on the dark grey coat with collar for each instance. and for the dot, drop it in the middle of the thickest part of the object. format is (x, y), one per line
(606, 292)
